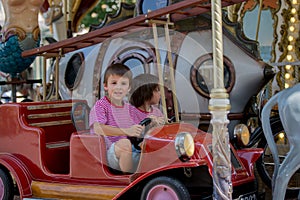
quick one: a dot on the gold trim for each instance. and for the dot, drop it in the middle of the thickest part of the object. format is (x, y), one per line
(219, 93)
(68, 191)
(47, 106)
(52, 123)
(47, 115)
(36, 33)
(282, 46)
(57, 145)
(219, 108)
(15, 30)
(275, 35)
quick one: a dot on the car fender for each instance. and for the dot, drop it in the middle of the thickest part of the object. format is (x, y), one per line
(137, 178)
(19, 173)
(248, 157)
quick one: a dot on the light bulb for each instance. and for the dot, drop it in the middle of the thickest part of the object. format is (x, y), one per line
(104, 6)
(293, 19)
(281, 135)
(286, 85)
(290, 47)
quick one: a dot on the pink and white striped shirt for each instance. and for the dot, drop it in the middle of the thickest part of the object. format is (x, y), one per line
(104, 112)
(139, 114)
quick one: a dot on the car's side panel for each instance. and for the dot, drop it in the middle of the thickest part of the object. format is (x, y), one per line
(18, 170)
(20, 140)
(88, 160)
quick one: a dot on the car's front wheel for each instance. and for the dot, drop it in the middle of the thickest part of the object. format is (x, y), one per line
(6, 186)
(165, 188)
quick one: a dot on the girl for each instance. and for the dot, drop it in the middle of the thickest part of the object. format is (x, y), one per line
(145, 96)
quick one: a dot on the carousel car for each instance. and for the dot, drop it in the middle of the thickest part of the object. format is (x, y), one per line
(45, 157)
(50, 152)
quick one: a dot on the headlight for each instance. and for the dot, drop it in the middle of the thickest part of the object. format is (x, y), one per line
(241, 131)
(184, 145)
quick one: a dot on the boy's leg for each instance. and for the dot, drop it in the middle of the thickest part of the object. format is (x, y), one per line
(136, 154)
(124, 154)
(113, 161)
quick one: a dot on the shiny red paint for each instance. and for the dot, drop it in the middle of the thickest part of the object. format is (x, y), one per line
(36, 160)
(248, 157)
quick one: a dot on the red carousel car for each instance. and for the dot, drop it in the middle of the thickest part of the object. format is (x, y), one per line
(43, 156)
(46, 151)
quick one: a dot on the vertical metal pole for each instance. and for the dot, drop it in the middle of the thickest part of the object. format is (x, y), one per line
(172, 73)
(14, 92)
(258, 20)
(57, 76)
(65, 7)
(160, 75)
(44, 78)
(69, 18)
(219, 107)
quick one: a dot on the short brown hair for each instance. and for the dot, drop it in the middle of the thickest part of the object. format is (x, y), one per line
(118, 69)
(142, 89)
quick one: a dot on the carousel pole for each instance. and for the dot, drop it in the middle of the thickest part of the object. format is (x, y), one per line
(219, 107)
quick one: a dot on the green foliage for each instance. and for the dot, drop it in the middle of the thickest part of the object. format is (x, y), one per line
(97, 14)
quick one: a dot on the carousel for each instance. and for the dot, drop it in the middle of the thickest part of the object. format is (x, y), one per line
(217, 68)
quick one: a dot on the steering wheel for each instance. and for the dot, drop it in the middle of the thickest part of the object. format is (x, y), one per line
(172, 119)
(80, 116)
(135, 141)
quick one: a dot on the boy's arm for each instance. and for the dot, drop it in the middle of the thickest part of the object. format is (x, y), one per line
(106, 130)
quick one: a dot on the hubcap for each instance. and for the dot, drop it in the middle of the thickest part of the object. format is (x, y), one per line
(162, 192)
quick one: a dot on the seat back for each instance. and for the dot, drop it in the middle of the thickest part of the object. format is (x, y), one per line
(80, 115)
(54, 118)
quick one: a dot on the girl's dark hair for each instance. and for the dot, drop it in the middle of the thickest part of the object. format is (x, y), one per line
(118, 69)
(142, 89)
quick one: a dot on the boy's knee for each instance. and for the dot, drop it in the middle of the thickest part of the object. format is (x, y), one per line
(124, 145)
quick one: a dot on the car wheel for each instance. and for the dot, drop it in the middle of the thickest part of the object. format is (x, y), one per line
(265, 164)
(6, 186)
(165, 188)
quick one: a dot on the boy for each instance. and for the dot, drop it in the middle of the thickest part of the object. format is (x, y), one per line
(111, 117)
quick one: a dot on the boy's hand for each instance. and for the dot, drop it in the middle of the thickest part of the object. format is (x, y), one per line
(135, 130)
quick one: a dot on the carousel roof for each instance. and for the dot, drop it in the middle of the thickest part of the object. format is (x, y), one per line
(177, 12)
